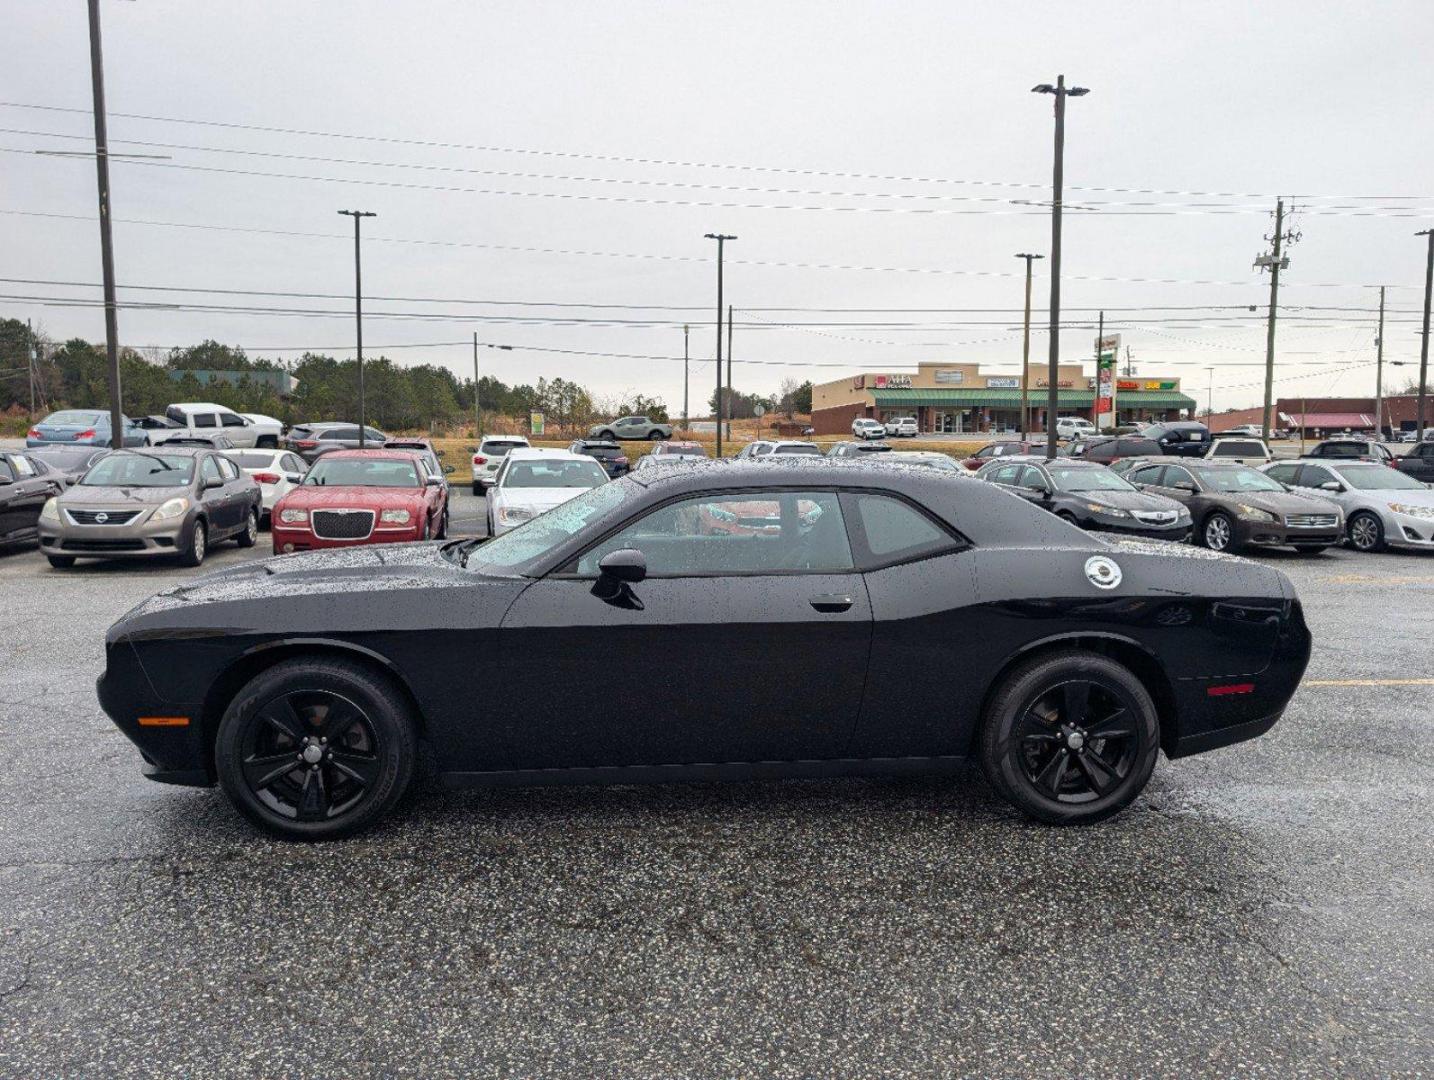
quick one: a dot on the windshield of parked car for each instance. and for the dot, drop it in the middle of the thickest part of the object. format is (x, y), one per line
(76, 416)
(363, 472)
(1373, 477)
(538, 473)
(1073, 478)
(253, 460)
(500, 447)
(141, 470)
(513, 551)
(690, 448)
(1234, 481)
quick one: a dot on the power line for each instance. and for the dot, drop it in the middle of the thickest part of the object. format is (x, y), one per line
(669, 163)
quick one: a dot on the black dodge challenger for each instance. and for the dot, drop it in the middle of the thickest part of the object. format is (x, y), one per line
(722, 620)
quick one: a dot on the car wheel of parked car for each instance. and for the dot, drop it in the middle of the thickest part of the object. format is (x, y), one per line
(61, 562)
(1067, 516)
(194, 549)
(477, 489)
(1218, 532)
(606, 433)
(250, 535)
(315, 749)
(1070, 738)
(655, 436)
(1366, 531)
(442, 533)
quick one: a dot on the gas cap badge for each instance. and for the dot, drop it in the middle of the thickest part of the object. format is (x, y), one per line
(1102, 572)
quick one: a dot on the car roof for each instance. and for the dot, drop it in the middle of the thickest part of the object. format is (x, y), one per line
(377, 453)
(190, 406)
(505, 438)
(166, 448)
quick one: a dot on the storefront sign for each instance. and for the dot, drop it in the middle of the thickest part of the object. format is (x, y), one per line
(1105, 384)
(1063, 384)
(1156, 384)
(1003, 382)
(893, 382)
(1127, 384)
(858, 382)
(951, 376)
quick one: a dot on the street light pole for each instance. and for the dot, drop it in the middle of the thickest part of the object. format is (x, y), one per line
(1026, 352)
(358, 215)
(1061, 92)
(731, 408)
(107, 251)
(717, 412)
(477, 408)
(685, 355)
(1379, 372)
(1424, 341)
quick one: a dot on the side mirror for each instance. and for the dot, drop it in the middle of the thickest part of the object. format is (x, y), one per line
(1331, 485)
(1185, 485)
(294, 478)
(625, 564)
(434, 481)
(213, 482)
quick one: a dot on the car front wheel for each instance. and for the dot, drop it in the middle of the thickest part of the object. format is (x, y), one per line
(1070, 738)
(1218, 532)
(315, 749)
(1366, 532)
(195, 546)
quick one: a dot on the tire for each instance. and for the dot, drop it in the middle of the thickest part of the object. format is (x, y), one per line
(266, 442)
(654, 436)
(1310, 549)
(196, 545)
(1068, 518)
(61, 562)
(1043, 753)
(281, 712)
(607, 435)
(1218, 532)
(442, 533)
(250, 535)
(477, 489)
(1365, 531)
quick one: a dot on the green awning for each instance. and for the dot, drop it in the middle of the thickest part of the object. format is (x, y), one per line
(1011, 399)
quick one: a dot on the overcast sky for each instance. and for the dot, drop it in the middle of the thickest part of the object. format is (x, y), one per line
(776, 106)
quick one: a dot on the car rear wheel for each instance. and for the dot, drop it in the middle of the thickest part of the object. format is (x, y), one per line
(250, 535)
(655, 436)
(266, 442)
(315, 749)
(195, 546)
(1218, 532)
(477, 489)
(1070, 738)
(1366, 532)
(61, 562)
(442, 533)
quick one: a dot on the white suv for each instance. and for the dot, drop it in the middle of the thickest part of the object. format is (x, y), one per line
(864, 427)
(1068, 427)
(902, 425)
(492, 449)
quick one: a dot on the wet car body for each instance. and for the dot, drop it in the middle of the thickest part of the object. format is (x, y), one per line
(1121, 510)
(826, 656)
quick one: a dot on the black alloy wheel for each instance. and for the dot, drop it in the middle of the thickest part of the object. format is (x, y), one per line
(1218, 532)
(1366, 531)
(1070, 738)
(250, 535)
(315, 749)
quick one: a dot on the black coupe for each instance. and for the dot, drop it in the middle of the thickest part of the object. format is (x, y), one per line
(814, 618)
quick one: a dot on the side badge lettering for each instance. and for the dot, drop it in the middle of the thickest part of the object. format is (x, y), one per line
(1102, 572)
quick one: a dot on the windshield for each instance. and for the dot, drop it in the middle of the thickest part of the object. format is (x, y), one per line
(77, 417)
(141, 470)
(1379, 478)
(1071, 478)
(499, 447)
(1234, 481)
(363, 472)
(253, 460)
(508, 553)
(563, 473)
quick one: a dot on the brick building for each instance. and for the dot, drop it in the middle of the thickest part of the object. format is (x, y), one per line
(1324, 415)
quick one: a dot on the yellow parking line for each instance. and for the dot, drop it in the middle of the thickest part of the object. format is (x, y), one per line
(1376, 579)
(1368, 682)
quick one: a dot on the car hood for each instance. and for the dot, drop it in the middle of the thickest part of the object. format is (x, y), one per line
(315, 497)
(1127, 500)
(82, 495)
(1279, 502)
(1411, 497)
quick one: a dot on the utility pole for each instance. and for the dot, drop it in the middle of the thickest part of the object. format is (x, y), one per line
(477, 408)
(1061, 92)
(1424, 341)
(30, 359)
(731, 408)
(1026, 352)
(685, 354)
(1129, 364)
(721, 242)
(1379, 373)
(358, 215)
(1095, 405)
(1274, 263)
(1210, 397)
(107, 251)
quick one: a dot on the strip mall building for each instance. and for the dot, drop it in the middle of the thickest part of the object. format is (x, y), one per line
(961, 398)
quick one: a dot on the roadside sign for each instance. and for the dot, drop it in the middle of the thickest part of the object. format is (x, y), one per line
(535, 423)
(759, 410)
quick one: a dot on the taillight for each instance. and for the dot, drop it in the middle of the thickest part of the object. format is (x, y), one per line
(35, 433)
(620, 459)
(266, 478)
(479, 459)
(305, 444)
(87, 434)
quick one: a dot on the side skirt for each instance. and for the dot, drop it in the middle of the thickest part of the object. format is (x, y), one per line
(706, 772)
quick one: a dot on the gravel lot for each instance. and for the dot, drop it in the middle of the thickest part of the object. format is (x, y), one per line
(1264, 910)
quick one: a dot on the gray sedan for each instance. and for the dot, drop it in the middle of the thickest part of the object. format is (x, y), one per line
(174, 501)
(1382, 506)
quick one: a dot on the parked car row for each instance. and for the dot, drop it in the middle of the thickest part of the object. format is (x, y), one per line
(91, 427)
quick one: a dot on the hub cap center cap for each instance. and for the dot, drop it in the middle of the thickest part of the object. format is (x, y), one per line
(1075, 740)
(312, 753)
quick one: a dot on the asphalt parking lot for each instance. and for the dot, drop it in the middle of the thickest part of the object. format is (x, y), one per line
(1267, 909)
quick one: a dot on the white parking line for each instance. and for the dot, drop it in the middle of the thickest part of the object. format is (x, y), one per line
(1368, 682)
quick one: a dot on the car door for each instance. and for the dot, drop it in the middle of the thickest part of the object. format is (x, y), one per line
(218, 503)
(1310, 477)
(747, 640)
(237, 430)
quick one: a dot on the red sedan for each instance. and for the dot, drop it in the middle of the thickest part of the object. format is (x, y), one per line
(361, 497)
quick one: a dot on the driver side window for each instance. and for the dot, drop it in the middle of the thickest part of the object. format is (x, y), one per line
(758, 532)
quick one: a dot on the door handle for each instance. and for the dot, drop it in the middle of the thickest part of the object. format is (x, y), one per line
(832, 602)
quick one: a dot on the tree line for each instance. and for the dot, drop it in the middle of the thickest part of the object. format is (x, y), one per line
(73, 374)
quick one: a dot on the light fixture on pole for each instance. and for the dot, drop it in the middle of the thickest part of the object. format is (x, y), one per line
(1061, 92)
(1026, 351)
(358, 215)
(717, 412)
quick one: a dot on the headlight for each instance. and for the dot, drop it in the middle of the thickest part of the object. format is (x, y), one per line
(51, 510)
(510, 515)
(1254, 513)
(172, 509)
(394, 517)
(1109, 511)
(1413, 511)
(1184, 518)
(293, 516)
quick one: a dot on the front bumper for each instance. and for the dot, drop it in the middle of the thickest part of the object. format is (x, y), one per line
(1279, 534)
(140, 539)
(1403, 530)
(1178, 534)
(291, 538)
(171, 753)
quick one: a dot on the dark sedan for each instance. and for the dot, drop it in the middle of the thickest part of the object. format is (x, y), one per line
(303, 685)
(25, 487)
(1091, 496)
(1183, 438)
(1234, 506)
(606, 453)
(67, 463)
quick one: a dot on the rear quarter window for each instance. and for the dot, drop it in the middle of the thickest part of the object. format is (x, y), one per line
(893, 531)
